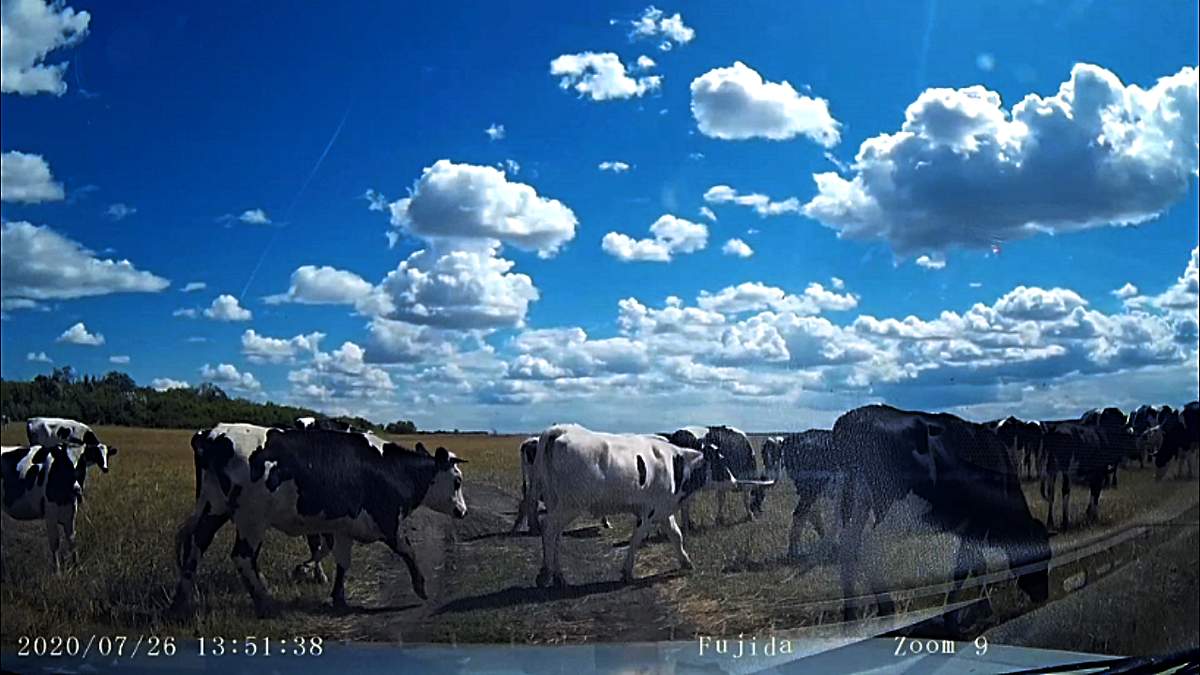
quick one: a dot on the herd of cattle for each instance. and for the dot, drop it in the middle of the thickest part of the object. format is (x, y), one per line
(338, 486)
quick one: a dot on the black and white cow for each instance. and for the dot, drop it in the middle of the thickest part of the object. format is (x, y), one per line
(41, 482)
(729, 453)
(77, 435)
(1084, 453)
(1118, 430)
(1024, 442)
(527, 509)
(309, 482)
(323, 424)
(1180, 440)
(960, 468)
(810, 461)
(579, 471)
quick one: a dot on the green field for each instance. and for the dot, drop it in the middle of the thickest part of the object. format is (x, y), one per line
(484, 589)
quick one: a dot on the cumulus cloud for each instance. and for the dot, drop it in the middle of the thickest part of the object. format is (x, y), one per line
(313, 285)
(615, 167)
(756, 296)
(736, 104)
(187, 312)
(193, 286)
(1185, 293)
(1038, 304)
(26, 178)
(467, 202)
(399, 342)
(226, 308)
(934, 262)
(261, 349)
(165, 383)
(119, 360)
(964, 172)
(653, 22)
(227, 376)
(38, 357)
(32, 29)
(342, 373)
(762, 204)
(671, 236)
(600, 77)
(79, 335)
(255, 217)
(459, 289)
(495, 132)
(644, 63)
(119, 211)
(1127, 291)
(708, 213)
(41, 264)
(737, 248)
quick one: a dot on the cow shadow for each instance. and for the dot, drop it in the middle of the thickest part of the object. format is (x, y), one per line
(590, 532)
(356, 610)
(527, 595)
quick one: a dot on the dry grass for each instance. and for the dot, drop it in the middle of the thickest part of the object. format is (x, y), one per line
(126, 574)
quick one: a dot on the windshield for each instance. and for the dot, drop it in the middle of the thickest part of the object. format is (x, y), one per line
(720, 325)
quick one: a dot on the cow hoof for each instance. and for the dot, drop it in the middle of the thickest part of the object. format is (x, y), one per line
(179, 610)
(687, 565)
(419, 589)
(626, 578)
(544, 578)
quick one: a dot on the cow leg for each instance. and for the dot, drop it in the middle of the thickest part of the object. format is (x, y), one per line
(53, 539)
(1093, 509)
(635, 542)
(343, 546)
(552, 528)
(968, 560)
(403, 548)
(318, 548)
(245, 558)
(605, 524)
(676, 538)
(685, 511)
(67, 520)
(1066, 501)
(854, 517)
(1048, 495)
(192, 540)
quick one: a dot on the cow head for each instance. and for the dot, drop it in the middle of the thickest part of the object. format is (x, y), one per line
(691, 469)
(445, 494)
(772, 454)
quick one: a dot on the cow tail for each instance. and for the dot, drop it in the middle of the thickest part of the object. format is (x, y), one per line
(183, 536)
(545, 455)
(198, 457)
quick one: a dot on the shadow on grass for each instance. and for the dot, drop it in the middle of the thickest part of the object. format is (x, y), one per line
(526, 595)
(590, 532)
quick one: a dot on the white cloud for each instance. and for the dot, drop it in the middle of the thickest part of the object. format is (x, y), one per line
(227, 376)
(79, 335)
(459, 289)
(934, 262)
(119, 360)
(1185, 293)
(188, 312)
(1127, 291)
(1038, 304)
(756, 296)
(255, 217)
(736, 104)
(342, 373)
(226, 308)
(26, 178)
(329, 286)
(165, 383)
(261, 349)
(600, 77)
(32, 29)
(671, 236)
(495, 132)
(708, 213)
(653, 23)
(615, 167)
(193, 286)
(644, 63)
(466, 202)
(119, 211)
(38, 357)
(511, 167)
(738, 248)
(762, 204)
(40, 264)
(963, 172)
(399, 342)
(378, 202)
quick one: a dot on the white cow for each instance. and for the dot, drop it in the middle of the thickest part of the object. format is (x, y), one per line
(77, 435)
(578, 471)
(527, 509)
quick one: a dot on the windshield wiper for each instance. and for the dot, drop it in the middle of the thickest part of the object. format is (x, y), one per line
(1187, 661)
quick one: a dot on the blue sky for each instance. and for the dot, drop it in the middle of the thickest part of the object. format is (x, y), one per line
(500, 216)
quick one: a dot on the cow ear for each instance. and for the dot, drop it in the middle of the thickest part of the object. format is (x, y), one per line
(421, 448)
(111, 451)
(442, 457)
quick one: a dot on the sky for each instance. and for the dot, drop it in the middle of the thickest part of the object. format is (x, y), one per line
(500, 216)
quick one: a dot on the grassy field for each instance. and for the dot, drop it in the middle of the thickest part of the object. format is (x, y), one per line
(126, 574)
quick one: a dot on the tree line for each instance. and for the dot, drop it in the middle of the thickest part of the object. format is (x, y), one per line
(116, 400)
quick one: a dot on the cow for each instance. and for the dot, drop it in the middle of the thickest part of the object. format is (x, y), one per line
(323, 424)
(1180, 434)
(308, 482)
(1085, 453)
(960, 468)
(1024, 442)
(729, 453)
(527, 510)
(42, 482)
(1118, 429)
(77, 436)
(579, 471)
(810, 461)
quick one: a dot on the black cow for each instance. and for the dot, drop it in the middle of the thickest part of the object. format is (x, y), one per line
(728, 452)
(1180, 434)
(308, 482)
(41, 482)
(960, 468)
(1085, 453)
(811, 462)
